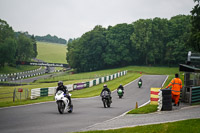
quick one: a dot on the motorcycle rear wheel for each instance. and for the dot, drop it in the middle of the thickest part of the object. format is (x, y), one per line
(70, 109)
(104, 103)
(108, 103)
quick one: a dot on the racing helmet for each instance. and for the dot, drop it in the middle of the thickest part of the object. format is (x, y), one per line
(105, 85)
(60, 83)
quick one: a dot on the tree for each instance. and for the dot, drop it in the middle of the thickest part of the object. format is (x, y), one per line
(85, 53)
(118, 51)
(176, 48)
(24, 48)
(194, 40)
(141, 40)
(7, 43)
(49, 38)
(159, 39)
(35, 53)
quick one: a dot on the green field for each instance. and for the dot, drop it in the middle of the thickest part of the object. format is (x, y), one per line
(51, 52)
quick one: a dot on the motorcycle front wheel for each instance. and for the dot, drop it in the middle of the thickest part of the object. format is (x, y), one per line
(61, 107)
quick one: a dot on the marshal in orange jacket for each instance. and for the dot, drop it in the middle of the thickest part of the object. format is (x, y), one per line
(176, 84)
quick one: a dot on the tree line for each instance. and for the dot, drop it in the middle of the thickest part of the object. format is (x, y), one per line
(15, 46)
(154, 41)
(49, 38)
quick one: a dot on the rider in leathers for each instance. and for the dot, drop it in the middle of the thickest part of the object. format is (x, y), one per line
(105, 88)
(64, 89)
(121, 87)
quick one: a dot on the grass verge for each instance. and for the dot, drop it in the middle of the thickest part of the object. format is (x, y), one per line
(184, 126)
(144, 110)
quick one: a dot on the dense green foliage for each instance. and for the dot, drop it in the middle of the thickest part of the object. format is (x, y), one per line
(15, 46)
(144, 42)
(195, 31)
(49, 38)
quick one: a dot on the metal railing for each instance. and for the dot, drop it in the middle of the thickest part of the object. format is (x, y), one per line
(7, 95)
(17, 94)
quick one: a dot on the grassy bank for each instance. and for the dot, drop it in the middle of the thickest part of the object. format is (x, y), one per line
(8, 69)
(144, 110)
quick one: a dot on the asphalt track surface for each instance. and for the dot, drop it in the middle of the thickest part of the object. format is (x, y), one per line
(44, 117)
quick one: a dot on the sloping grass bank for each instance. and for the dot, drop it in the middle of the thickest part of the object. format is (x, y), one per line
(8, 69)
(51, 52)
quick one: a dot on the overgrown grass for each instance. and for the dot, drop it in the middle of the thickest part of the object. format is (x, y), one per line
(144, 110)
(185, 126)
(51, 52)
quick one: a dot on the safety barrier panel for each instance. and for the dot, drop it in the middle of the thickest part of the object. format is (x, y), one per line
(195, 94)
(154, 96)
(44, 92)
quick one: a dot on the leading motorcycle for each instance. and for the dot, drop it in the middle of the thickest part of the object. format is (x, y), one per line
(106, 99)
(63, 102)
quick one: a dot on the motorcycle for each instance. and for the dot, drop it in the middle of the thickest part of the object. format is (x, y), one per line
(120, 93)
(106, 99)
(63, 102)
(139, 84)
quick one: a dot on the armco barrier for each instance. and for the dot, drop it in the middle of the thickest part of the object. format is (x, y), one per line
(51, 90)
(35, 93)
(100, 81)
(87, 84)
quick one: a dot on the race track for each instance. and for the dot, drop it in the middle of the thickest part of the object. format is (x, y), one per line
(44, 117)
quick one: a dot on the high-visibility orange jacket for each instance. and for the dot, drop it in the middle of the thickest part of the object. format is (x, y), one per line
(176, 84)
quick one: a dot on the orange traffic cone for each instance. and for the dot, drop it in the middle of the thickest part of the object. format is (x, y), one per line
(136, 105)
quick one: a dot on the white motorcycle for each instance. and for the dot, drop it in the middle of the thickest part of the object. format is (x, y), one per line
(63, 102)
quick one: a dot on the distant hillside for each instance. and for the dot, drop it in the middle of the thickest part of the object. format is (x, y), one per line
(51, 52)
(47, 38)
(52, 39)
